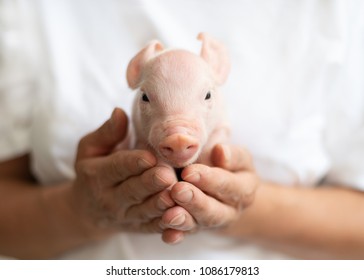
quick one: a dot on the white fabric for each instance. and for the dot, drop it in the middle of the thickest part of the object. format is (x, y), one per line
(295, 94)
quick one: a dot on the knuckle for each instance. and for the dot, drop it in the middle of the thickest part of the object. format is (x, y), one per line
(104, 205)
(156, 179)
(132, 197)
(144, 215)
(125, 164)
(223, 187)
(129, 161)
(116, 165)
(121, 164)
(240, 203)
(134, 162)
(138, 214)
(105, 213)
(219, 218)
(200, 206)
(250, 190)
(247, 200)
(86, 171)
(212, 220)
(151, 227)
(135, 199)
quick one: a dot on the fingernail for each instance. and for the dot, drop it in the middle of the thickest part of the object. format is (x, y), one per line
(144, 164)
(163, 203)
(178, 220)
(159, 181)
(184, 196)
(193, 177)
(179, 239)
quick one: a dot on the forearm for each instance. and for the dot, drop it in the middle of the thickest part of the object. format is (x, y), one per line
(325, 222)
(37, 222)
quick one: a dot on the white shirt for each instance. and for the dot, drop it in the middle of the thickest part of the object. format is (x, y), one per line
(295, 94)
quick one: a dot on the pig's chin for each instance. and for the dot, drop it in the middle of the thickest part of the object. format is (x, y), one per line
(180, 162)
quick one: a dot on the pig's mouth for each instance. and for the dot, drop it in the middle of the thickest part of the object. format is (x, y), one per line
(180, 161)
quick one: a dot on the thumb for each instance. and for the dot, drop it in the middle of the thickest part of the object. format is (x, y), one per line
(105, 138)
(221, 156)
(232, 158)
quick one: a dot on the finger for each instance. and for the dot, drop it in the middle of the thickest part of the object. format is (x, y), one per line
(232, 158)
(236, 189)
(178, 218)
(151, 227)
(172, 236)
(124, 164)
(137, 189)
(118, 201)
(106, 137)
(111, 170)
(152, 208)
(206, 210)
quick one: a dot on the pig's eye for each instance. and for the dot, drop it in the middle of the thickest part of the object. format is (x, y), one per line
(208, 96)
(145, 97)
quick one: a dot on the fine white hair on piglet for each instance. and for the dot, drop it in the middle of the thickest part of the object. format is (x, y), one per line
(178, 110)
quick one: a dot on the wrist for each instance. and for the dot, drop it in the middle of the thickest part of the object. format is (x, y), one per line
(248, 224)
(67, 224)
(87, 223)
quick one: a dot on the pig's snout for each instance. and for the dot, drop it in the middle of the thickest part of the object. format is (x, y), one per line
(179, 149)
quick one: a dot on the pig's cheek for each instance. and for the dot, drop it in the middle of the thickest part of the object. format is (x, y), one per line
(202, 131)
(142, 125)
(212, 120)
(155, 135)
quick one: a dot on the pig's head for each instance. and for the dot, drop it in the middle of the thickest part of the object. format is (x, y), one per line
(178, 104)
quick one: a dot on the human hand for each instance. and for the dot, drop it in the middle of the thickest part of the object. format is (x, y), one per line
(118, 190)
(211, 197)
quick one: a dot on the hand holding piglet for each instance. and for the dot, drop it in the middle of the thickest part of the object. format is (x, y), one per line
(178, 115)
(118, 190)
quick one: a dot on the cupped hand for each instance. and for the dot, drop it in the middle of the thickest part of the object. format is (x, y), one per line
(118, 189)
(211, 197)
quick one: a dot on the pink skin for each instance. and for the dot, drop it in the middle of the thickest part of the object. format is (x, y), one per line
(178, 110)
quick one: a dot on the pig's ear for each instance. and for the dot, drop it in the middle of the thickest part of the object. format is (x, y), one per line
(136, 65)
(216, 55)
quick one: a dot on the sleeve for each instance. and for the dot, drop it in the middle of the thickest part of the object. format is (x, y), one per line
(346, 150)
(16, 79)
(345, 107)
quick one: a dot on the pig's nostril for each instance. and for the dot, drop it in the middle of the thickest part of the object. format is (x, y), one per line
(167, 151)
(178, 147)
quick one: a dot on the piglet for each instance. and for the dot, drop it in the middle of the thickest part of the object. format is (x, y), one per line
(178, 110)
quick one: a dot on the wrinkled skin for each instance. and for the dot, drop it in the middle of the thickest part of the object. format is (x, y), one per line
(178, 115)
(125, 190)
